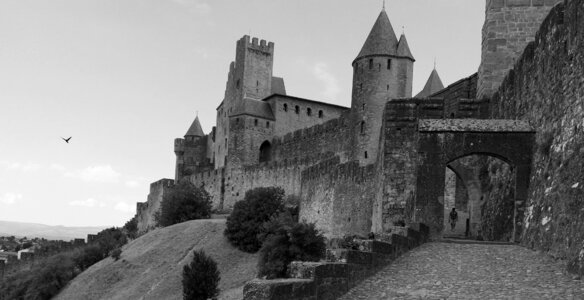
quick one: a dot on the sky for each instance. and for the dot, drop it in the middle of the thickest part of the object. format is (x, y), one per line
(124, 78)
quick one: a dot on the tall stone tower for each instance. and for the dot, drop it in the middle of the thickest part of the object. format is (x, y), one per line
(509, 26)
(250, 77)
(382, 71)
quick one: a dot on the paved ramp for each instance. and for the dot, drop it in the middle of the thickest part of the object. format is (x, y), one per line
(470, 271)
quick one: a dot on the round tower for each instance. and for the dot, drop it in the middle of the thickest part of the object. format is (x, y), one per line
(382, 71)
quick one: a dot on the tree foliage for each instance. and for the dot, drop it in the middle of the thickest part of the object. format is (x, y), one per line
(200, 278)
(245, 224)
(287, 241)
(183, 202)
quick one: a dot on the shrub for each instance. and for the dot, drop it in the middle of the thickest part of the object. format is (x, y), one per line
(288, 241)
(182, 203)
(245, 223)
(131, 228)
(200, 278)
(115, 254)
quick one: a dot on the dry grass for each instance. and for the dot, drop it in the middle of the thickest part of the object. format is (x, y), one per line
(150, 267)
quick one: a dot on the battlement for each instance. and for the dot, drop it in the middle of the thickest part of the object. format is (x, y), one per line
(262, 46)
(162, 183)
(499, 4)
(179, 146)
(333, 168)
(320, 129)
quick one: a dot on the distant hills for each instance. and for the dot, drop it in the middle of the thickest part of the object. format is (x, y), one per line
(32, 230)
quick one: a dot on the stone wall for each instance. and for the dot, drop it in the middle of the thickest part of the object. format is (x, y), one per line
(509, 26)
(338, 197)
(546, 88)
(145, 210)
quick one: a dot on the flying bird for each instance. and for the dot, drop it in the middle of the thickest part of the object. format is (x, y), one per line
(66, 139)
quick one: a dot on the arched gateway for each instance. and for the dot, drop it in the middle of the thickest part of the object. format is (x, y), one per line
(442, 141)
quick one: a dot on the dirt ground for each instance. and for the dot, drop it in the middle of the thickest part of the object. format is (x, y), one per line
(150, 267)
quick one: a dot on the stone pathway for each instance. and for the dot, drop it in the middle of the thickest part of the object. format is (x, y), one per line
(470, 271)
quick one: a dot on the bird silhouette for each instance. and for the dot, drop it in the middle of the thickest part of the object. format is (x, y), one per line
(66, 139)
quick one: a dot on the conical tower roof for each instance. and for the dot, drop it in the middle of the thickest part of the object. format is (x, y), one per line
(403, 49)
(381, 39)
(433, 85)
(195, 129)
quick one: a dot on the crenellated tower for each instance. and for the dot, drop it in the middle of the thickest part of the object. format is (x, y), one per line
(191, 151)
(250, 77)
(382, 71)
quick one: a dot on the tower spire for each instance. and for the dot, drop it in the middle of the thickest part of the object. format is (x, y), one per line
(383, 7)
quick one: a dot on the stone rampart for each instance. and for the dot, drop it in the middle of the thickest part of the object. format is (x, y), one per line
(145, 210)
(338, 197)
(509, 26)
(546, 88)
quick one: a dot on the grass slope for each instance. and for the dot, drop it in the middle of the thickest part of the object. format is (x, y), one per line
(150, 267)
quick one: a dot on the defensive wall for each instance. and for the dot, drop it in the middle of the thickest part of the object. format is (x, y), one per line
(509, 26)
(145, 210)
(546, 88)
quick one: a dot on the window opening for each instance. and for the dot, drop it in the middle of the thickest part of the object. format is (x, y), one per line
(320, 114)
(297, 109)
(308, 111)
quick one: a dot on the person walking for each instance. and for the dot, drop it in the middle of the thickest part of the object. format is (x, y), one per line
(453, 219)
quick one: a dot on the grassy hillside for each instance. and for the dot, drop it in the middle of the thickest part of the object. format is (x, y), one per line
(150, 267)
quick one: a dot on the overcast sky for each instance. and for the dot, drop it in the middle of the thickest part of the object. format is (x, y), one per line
(125, 77)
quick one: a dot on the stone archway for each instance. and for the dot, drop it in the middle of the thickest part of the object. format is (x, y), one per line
(443, 141)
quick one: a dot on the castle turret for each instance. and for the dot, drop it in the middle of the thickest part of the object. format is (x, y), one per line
(192, 151)
(433, 85)
(382, 71)
(195, 131)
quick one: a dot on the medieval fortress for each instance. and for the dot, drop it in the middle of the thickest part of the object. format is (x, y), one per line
(358, 169)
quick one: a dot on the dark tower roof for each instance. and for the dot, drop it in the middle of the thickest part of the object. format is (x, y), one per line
(403, 49)
(433, 85)
(195, 129)
(381, 39)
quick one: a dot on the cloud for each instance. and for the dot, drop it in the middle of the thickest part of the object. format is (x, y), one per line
(331, 85)
(87, 203)
(197, 6)
(17, 166)
(125, 207)
(135, 182)
(103, 173)
(57, 167)
(10, 198)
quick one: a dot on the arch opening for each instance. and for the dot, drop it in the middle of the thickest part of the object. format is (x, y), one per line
(265, 152)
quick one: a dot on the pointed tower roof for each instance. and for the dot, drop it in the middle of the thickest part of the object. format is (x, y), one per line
(195, 129)
(381, 39)
(433, 85)
(403, 49)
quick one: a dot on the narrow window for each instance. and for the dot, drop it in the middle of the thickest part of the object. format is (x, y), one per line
(363, 106)
(360, 86)
(320, 114)
(285, 107)
(255, 122)
(388, 87)
(237, 83)
(362, 126)
(379, 67)
(226, 143)
(371, 63)
(237, 121)
(297, 109)
(257, 83)
(268, 124)
(389, 64)
(308, 111)
(365, 154)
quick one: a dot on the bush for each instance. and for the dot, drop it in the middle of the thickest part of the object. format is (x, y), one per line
(131, 228)
(200, 278)
(115, 254)
(288, 241)
(245, 223)
(183, 202)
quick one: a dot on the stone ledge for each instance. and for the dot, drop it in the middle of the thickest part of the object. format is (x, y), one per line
(285, 289)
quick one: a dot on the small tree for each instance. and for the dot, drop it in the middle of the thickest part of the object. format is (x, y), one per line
(245, 223)
(182, 203)
(288, 241)
(131, 228)
(200, 278)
